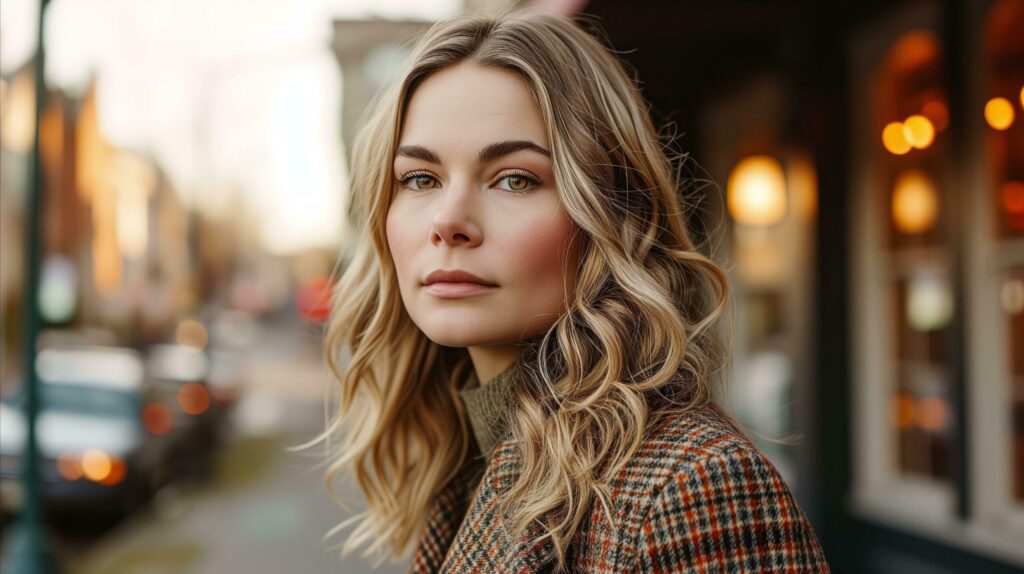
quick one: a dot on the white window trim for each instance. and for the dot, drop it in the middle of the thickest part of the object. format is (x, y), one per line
(986, 261)
(878, 493)
(879, 490)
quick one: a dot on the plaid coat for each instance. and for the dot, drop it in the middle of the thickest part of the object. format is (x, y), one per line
(697, 497)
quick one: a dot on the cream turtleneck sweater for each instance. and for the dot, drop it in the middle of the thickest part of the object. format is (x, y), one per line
(488, 407)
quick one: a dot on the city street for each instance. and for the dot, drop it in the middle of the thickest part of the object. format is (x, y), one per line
(264, 509)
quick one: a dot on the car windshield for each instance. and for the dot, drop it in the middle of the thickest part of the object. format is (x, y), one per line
(84, 399)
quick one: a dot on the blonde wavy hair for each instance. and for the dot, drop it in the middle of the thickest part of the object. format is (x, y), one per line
(636, 341)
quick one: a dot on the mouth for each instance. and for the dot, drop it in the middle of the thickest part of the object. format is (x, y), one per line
(456, 284)
(457, 289)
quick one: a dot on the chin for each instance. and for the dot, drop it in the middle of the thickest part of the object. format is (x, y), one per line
(456, 338)
(452, 326)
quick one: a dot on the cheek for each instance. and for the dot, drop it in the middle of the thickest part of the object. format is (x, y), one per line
(399, 235)
(539, 253)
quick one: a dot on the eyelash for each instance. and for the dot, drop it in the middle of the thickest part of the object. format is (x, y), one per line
(529, 177)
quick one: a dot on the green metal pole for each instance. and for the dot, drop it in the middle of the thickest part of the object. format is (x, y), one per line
(27, 549)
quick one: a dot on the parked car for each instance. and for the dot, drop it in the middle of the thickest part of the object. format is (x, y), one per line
(94, 445)
(192, 408)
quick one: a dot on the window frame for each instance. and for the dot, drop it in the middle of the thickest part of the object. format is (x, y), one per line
(878, 493)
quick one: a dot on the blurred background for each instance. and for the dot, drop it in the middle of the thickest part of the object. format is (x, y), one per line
(858, 168)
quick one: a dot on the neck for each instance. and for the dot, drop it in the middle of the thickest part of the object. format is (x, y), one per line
(491, 360)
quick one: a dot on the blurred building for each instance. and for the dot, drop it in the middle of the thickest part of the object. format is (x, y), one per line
(124, 258)
(870, 158)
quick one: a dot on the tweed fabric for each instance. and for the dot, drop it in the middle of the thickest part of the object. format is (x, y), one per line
(488, 407)
(697, 497)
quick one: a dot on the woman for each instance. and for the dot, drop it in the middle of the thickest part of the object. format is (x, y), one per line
(531, 329)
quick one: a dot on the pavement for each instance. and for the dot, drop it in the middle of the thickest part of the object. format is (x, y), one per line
(265, 509)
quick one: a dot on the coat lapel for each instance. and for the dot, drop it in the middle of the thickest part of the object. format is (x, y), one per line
(481, 543)
(443, 519)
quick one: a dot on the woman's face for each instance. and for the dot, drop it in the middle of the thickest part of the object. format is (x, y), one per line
(475, 193)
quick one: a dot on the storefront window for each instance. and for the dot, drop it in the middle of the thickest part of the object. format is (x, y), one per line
(938, 275)
(1004, 150)
(910, 116)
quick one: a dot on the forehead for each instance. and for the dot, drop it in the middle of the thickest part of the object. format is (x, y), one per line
(467, 106)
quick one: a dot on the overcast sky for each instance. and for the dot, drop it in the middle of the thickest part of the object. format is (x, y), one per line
(225, 94)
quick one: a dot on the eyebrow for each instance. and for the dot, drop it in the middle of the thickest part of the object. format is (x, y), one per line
(488, 154)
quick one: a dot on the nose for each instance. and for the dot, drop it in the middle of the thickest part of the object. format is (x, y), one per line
(455, 220)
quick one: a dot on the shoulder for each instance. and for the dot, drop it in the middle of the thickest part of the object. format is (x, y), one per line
(681, 442)
(709, 495)
(690, 454)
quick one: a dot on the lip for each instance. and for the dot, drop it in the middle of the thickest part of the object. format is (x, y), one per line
(456, 284)
(455, 276)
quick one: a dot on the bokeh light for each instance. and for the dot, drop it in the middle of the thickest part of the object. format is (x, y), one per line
(118, 470)
(1011, 295)
(193, 398)
(96, 465)
(313, 299)
(756, 191)
(191, 333)
(936, 111)
(1013, 198)
(929, 303)
(915, 202)
(919, 131)
(157, 418)
(932, 413)
(902, 411)
(894, 139)
(17, 131)
(68, 466)
(999, 113)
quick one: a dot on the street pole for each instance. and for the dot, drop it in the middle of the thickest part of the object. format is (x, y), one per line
(28, 550)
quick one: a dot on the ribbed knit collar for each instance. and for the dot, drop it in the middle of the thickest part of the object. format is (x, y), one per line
(488, 407)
